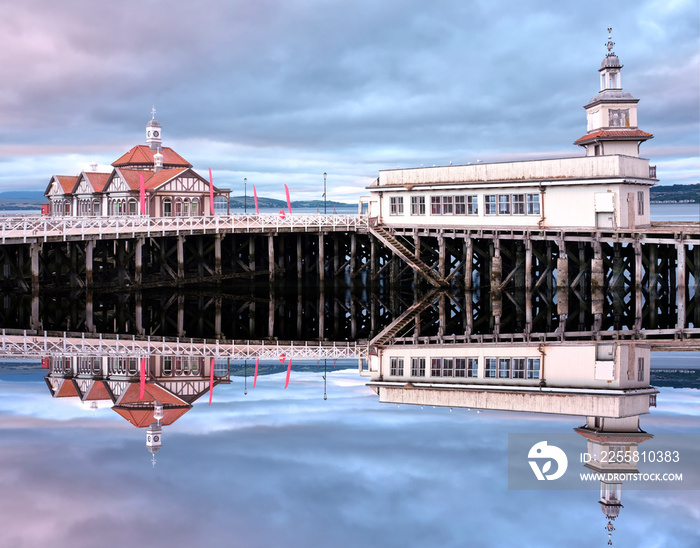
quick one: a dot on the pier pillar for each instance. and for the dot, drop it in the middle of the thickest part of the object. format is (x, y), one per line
(372, 257)
(353, 253)
(271, 257)
(496, 268)
(217, 318)
(637, 285)
(528, 265)
(89, 254)
(520, 274)
(138, 260)
(680, 284)
(562, 281)
(416, 254)
(217, 254)
(180, 315)
(89, 313)
(35, 251)
(36, 319)
(300, 258)
(251, 253)
(468, 262)
(442, 257)
(469, 313)
(597, 282)
(321, 260)
(322, 315)
(272, 305)
(180, 257)
(138, 312)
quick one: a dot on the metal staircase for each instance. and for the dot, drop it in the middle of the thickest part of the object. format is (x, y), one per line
(388, 239)
(404, 319)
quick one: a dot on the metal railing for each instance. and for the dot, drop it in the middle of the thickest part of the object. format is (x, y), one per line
(42, 227)
(44, 346)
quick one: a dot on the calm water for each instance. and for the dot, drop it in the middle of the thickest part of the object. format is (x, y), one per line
(286, 467)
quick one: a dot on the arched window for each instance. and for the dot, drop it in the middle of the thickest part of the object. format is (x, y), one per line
(132, 207)
(178, 206)
(96, 208)
(186, 207)
(195, 207)
(167, 207)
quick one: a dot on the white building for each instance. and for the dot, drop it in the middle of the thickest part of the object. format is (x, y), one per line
(171, 187)
(607, 188)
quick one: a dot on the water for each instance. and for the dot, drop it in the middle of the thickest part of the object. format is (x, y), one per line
(675, 212)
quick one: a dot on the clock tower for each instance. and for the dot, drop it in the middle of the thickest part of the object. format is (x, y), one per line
(154, 138)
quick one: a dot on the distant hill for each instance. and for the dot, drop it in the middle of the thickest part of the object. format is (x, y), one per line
(675, 194)
(21, 199)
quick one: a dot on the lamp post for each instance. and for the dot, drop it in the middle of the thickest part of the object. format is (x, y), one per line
(245, 194)
(324, 192)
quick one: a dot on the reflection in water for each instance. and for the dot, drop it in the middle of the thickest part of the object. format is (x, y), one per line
(437, 349)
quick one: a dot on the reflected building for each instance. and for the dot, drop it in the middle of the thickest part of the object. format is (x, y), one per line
(169, 387)
(604, 379)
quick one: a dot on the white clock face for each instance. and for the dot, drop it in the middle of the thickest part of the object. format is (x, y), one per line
(155, 134)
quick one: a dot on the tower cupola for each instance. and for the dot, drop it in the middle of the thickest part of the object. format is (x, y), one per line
(154, 138)
(612, 114)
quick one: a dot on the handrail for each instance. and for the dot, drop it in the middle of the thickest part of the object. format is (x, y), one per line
(43, 227)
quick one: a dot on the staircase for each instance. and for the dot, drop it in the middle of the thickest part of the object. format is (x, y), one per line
(404, 319)
(388, 239)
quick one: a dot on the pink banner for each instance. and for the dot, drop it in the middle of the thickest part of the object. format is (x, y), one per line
(289, 370)
(255, 194)
(142, 383)
(142, 194)
(289, 202)
(211, 379)
(211, 193)
(255, 379)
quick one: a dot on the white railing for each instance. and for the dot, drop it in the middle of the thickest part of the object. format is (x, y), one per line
(42, 227)
(44, 346)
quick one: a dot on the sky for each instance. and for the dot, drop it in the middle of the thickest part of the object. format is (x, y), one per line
(286, 468)
(281, 91)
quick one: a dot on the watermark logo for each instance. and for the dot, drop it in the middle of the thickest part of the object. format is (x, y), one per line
(547, 453)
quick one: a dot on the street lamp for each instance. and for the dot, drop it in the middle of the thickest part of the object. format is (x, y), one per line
(245, 194)
(324, 192)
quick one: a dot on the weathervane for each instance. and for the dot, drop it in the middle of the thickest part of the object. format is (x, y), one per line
(610, 43)
(153, 110)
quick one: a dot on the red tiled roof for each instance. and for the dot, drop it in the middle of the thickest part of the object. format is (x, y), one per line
(67, 182)
(142, 154)
(142, 416)
(97, 180)
(98, 391)
(66, 390)
(151, 393)
(629, 134)
(163, 176)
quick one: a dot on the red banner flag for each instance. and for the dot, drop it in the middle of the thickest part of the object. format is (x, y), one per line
(255, 379)
(255, 194)
(211, 379)
(142, 383)
(289, 202)
(142, 194)
(289, 370)
(211, 193)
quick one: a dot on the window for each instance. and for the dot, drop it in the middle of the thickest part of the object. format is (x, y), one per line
(518, 368)
(435, 203)
(472, 367)
(504, 204)
(460, 205)
(447, 364)
(132, 207)
(435, 367)
(460, 367)
(640, 203)
(490, 368)
(533, 368)
(396, 367)
(640, 369)
(417, 367)
(533, 204)
(518, 204)
(396, 205)
(167, 207)
(503, 368)
(168, 365)
(195, 206)
(447, 205)
(490, 204)
(472, 205)
(417, 205)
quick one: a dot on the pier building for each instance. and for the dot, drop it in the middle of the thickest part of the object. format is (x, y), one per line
(171, 188)
(608, 188)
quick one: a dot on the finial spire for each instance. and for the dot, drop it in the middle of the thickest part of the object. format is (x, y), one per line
(153, 110)
(610, 43)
